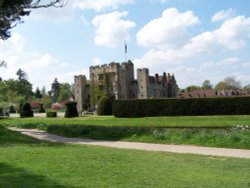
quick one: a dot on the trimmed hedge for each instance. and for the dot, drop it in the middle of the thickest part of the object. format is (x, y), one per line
(71, 110)
(26, 111)
(51, 114)
(182, 107)
(104, 106)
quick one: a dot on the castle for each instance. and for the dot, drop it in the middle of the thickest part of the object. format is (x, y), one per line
(118, 82)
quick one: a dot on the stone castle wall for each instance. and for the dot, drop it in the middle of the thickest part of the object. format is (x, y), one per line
(117, 81)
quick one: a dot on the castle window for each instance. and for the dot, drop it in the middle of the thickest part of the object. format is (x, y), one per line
(100, 77)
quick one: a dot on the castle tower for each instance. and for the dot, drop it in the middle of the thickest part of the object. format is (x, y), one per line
(80, 91)
(143, 80)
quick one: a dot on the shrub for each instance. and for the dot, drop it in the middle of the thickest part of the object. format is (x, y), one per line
(71, 110)
(51, 114)
(182, 107)
(26, 111)
(41, 109)
(12, 109)
(56, 106)
(104, 106)
(35, 105)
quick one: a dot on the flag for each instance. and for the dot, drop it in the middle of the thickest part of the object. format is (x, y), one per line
(126, 48)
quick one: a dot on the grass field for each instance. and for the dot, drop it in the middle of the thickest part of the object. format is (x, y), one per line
(26, 162)
(213, 131)
(178, 121)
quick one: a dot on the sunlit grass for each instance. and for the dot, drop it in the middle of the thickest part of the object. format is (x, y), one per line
(26, 162)
(179, 121)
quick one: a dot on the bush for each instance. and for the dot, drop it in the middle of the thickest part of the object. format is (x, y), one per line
(41, 109)
(12, 109)
(56, 106)
(35, 105)
(71, 110)
(51, 114)
(26, 111)
(182, 107)
(104, 106)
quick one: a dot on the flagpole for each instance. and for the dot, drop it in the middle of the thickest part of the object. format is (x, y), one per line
(126, 50)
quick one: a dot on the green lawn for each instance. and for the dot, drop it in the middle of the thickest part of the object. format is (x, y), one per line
(178, 121)
(26, 162)
(213, 131)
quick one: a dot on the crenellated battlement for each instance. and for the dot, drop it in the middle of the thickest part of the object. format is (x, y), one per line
(117, 81)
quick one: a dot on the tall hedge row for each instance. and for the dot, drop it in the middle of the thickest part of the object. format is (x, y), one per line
(182, 107)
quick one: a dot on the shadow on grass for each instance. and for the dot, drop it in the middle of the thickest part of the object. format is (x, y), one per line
(18, 177)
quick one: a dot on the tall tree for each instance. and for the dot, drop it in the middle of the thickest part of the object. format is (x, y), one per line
(55, 89)
(192, 88)
(207, 85)
(229, 83)
(21, 75)
(38, 94)
(232, 83)
(24, 86)
(65, 92)
(12, 12)
(3, 64)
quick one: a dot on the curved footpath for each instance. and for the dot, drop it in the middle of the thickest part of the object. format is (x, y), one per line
(42, 135)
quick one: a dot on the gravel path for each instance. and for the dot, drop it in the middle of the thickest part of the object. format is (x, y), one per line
(42, 135)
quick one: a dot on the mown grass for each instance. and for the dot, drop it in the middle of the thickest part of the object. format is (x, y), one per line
(25, 164)
(173, 121)
(192, 130)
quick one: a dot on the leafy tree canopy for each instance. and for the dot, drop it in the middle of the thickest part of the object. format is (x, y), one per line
(207, 85)
(21, 75)
(229, 83)
(12, 12)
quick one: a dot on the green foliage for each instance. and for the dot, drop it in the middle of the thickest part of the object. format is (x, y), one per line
(182, 107)
(104, 106)
(11, 13)
(12, 109)
(71, 110)
(51, 114)
(26, 111)
(192, 88)
(41, 109)
(228, 138)
(207, 85)
(55, 89)
(65, 92)
(229, 83)
(38, 94)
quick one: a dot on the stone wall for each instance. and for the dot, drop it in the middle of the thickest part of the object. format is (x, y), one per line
(117, 81)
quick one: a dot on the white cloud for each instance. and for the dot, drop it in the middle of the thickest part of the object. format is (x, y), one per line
(100, 5)
(223, 15)
(246, 64)
(156, 1)
(232, 35)
(111, 30)
(170, 30)
(41, 68)
(227, 62)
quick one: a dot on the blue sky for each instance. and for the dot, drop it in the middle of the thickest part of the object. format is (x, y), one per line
(193, 39)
